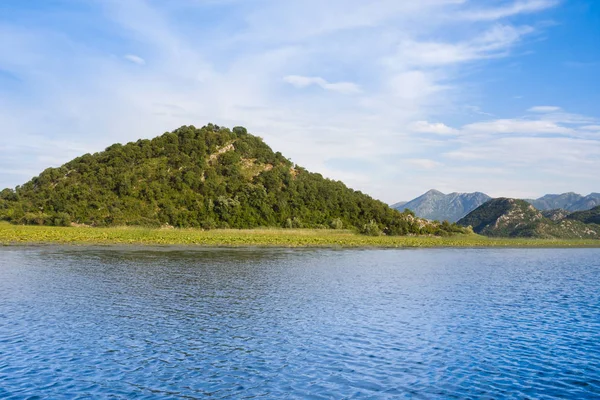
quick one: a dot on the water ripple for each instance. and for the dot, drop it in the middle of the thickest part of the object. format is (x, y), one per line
(320, 324)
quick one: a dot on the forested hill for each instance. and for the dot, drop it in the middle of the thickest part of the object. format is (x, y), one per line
(211, 177)
(505, 217)
(589, 216)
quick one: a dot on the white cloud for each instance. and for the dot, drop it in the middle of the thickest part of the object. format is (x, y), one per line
(544, 109)
(340, 87)
(517, 126)
(557, 153)
(436, 128)
(423, 163)
(532, 165)
(495, 42)
(135, 59)
(477, 110)
(413, 85)
(562, 117)
(591, 128)
(518, 7)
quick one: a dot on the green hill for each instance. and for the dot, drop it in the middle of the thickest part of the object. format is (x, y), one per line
(504, 217)
(588, 217)
(211, 177)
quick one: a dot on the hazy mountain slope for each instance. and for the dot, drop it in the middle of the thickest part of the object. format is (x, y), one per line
(208, 177)
(399, 206)
(588, 202)
(555, 201)
(435, 205)
(566, 201)
(505, 217)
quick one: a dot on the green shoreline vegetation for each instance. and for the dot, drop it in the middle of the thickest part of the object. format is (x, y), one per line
(28, 234)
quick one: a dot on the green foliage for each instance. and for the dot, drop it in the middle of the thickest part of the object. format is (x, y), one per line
(337, 223)
(294, 223)
(22, 234)
(206, 178)
(240, 131)
(371, 229)
(588, 217)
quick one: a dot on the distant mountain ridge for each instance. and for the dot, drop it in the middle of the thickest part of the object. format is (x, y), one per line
(504, 217)
(399, 205)
(435, 205)
(567, 201)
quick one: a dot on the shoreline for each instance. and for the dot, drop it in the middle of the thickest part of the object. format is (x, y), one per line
(27, 235)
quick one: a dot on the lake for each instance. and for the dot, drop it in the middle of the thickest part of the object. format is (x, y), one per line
(124, 322)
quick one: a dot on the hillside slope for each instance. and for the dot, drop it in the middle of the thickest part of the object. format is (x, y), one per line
(435, 205)
(588, 217)
(209, 177)
(504, 217)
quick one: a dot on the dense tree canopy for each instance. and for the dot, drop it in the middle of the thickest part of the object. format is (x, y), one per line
(588, 216)
(211, 177)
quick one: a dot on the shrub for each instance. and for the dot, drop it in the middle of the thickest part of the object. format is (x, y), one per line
(371, 229)
(34, 219)
(337, 224)
(294, 223)
(223, 225)
(62, 219)
(209, 224)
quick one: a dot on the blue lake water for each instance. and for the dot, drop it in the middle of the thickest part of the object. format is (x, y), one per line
(321, 324)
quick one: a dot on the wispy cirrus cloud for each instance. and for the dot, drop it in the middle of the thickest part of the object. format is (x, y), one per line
(591, 128)
(508, 126)
(544, 109)
(508, 10)
(135, 59)
(540, 120)
(305, 81)
(437, 128)
(423, 163)
(495, 42)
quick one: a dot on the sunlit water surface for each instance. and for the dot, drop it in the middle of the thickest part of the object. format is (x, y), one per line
(331, 324)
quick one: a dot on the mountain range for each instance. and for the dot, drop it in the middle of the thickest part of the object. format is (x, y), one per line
(566, 201)
(435, 205)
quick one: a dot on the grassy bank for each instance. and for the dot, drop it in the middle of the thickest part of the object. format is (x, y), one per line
(19, 234)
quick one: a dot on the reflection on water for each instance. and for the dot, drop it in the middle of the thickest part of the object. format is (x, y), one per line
(247, 323)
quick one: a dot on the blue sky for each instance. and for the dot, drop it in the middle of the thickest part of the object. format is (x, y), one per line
(391, 97)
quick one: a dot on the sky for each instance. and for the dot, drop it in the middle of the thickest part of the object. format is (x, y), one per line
(392, 97)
